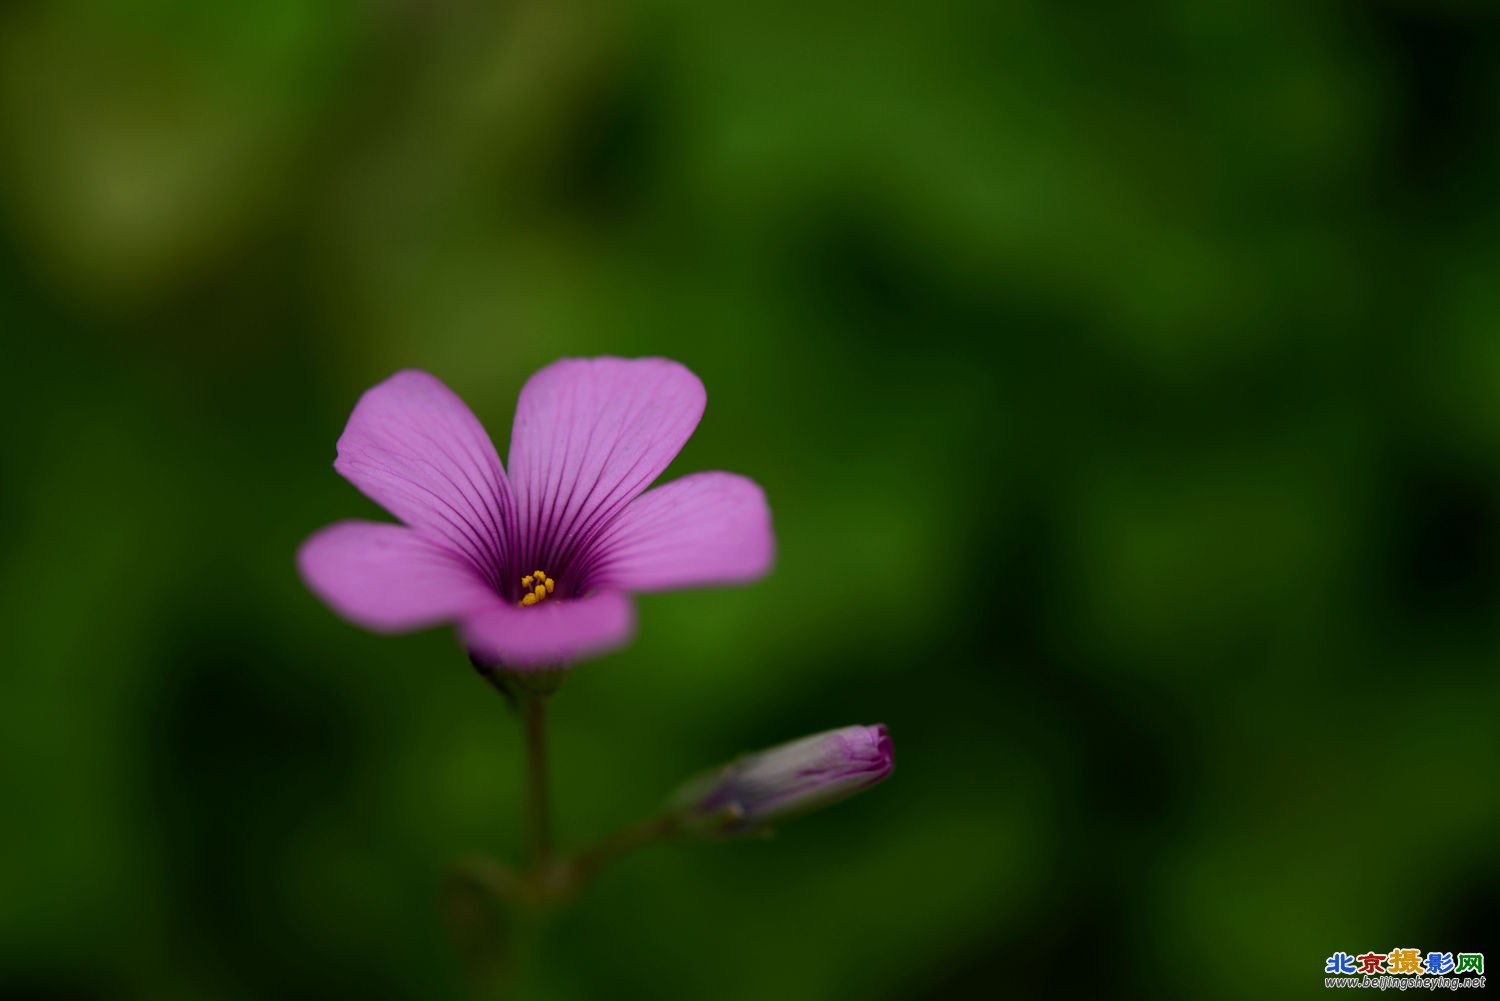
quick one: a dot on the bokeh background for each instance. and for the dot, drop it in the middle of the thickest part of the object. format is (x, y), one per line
(1125, 379)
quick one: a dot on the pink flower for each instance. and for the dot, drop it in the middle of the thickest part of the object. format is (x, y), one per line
(535, 567)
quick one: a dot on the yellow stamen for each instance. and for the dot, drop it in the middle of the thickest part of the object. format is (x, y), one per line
(535, 588)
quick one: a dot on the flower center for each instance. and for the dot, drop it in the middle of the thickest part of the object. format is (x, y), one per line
(537, 587)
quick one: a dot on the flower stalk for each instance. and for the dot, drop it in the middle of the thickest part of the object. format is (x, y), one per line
(538, 809)
(588, 863)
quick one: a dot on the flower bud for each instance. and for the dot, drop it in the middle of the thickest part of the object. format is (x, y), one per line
(759, 789)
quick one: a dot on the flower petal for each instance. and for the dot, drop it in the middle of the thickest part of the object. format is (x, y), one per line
(390, 578)
(706, 528)
(590, 435)
(551, 634)
(414, 448)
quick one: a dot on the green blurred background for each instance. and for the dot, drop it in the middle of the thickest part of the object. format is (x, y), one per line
(1125, 379)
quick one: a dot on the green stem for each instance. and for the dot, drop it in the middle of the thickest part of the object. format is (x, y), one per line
(647, 832)
(538, 823)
